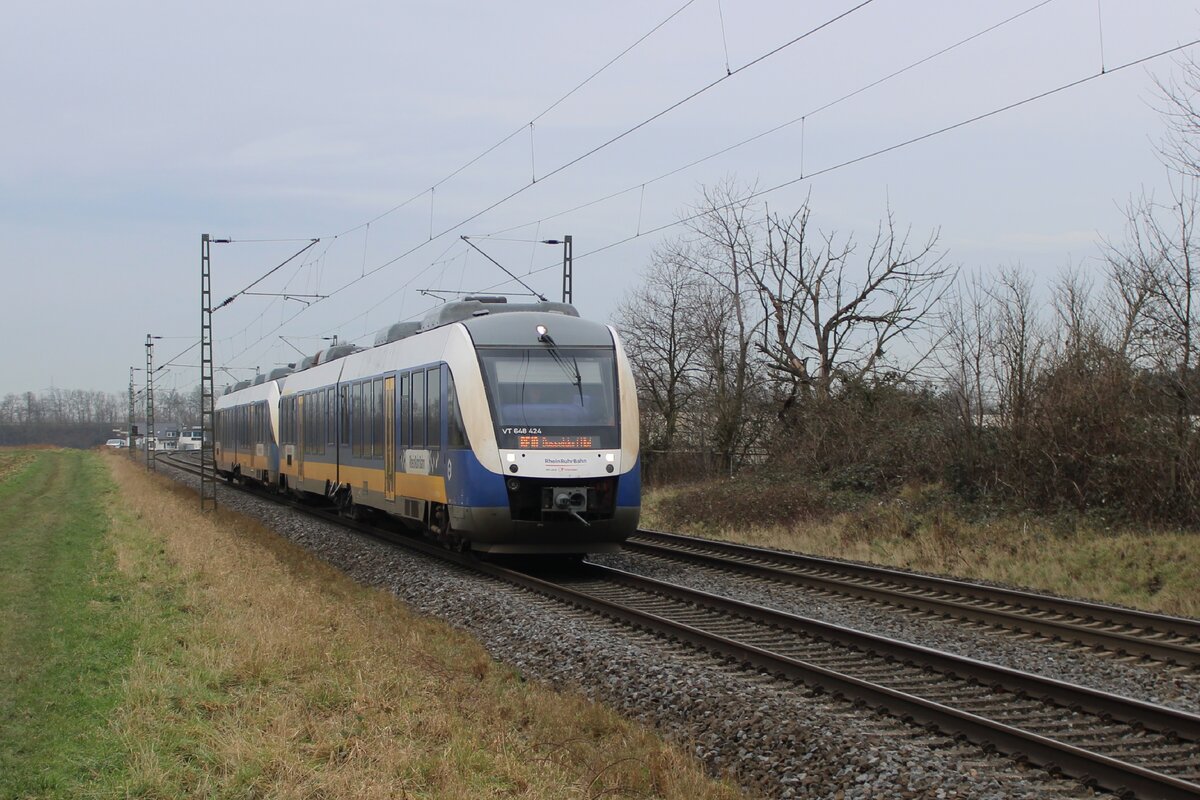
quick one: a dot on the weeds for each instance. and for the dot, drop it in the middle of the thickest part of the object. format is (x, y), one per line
(927, 528)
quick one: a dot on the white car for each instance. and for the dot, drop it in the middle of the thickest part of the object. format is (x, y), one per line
(115, 443)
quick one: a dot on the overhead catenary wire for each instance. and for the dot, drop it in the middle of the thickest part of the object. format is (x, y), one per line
(879, 152)
(828, 169)
(489, 150)
(431, 190)
(802, 119)
(864, 157)
(596, 149)
(268, 273)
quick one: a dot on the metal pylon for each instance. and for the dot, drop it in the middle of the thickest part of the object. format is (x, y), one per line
(568, 264)
(208, 459)
(129, 430)
(150, 403)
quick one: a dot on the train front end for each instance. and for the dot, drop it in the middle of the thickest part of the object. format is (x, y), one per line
(556, 465)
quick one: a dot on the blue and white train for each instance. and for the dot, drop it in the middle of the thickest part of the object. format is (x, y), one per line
(503, 428)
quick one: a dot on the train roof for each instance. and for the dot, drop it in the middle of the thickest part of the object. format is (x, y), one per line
(522, 330)
(486, 306)
(396, 332)
(268, 390)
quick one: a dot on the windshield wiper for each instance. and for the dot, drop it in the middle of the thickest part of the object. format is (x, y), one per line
(572, 371)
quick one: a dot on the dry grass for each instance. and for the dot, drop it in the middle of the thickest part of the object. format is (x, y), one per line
(273, 675)
(919, 529)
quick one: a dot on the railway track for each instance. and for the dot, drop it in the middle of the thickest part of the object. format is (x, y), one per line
(1127, 746)
(1106, 740)
(1108, 630)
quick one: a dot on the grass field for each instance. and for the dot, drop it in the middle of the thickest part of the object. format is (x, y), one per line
(66, 639)
(151, 653)
(925, 529)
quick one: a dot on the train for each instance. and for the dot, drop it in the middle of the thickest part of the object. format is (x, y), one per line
(496, 427)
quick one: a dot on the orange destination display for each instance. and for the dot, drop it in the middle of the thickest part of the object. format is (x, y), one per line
(554, 442)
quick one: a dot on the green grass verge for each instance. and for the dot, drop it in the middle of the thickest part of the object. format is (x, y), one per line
(66, 640)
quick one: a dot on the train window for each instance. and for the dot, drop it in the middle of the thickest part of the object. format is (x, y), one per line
(548, 388)
(456, 432)
(433, 405)
(357, 419)
(418, 409)
(317, 435)
(405, 412)
(322, 423)
(344, 405)
(330, 418)
(378, 437)
(368, 418)
(362, 428)
(308, 422)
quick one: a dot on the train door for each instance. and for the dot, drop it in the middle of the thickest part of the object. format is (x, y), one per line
(343, 451)
(300, 433)
(433, 419)
(389, 438)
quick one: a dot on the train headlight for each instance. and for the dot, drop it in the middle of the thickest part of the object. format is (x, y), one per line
(513, 484)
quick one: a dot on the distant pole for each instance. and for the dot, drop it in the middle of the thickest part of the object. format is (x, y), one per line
(208, 457)
(567, 265)
(129, 430)
(149, 402)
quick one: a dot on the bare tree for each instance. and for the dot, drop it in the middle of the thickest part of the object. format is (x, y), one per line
(1018, 344)
(843, 315)
(970, 324)
(1078, 327)
(659, 325)
(722, 252)
(1160, 257)
(1178, 105)
(1129, 288)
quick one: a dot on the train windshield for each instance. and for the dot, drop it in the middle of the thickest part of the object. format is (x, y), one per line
(552, 397)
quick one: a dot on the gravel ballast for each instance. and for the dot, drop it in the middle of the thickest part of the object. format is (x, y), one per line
(1151, 682)
(775, 737)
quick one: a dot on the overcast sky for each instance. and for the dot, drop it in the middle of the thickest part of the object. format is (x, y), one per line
(131, 128)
